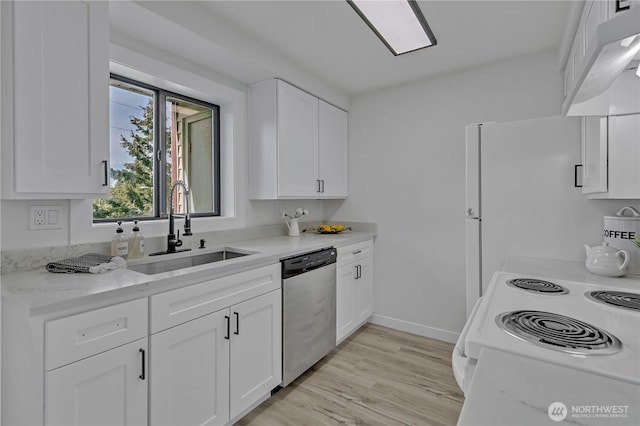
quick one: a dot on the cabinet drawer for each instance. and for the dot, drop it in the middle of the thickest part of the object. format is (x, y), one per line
(79, 336)
(354, 252)
(184, 304)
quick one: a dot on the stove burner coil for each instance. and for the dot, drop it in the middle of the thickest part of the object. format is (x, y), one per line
(619, 299)
(537, 286)
(558, 332)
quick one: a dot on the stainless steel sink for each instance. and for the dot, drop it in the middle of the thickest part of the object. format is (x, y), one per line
(171, 264)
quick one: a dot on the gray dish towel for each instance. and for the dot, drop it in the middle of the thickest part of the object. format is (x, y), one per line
(78, 264)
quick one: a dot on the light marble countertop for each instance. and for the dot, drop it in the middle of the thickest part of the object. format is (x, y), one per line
(514, 390)
(44, 293)
(569, 270)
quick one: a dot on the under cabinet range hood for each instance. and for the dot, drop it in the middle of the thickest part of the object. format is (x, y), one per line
(607, 83)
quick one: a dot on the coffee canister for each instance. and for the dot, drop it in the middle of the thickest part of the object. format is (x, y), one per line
(620, 231)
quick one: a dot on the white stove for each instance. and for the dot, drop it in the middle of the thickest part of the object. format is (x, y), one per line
(563, 322)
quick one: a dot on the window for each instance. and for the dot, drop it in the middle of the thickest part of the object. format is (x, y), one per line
(157, 138)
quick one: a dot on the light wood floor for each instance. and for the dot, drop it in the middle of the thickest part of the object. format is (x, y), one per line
(378, 376)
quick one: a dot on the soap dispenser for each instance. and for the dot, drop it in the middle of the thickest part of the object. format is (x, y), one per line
(136, 242)
(119, 243)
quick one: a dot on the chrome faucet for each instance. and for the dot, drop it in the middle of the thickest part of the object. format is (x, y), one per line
(174, 241)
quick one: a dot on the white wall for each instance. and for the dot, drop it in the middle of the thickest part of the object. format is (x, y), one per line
(407, 173)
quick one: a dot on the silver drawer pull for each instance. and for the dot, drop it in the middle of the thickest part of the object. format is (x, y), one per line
(357, 252)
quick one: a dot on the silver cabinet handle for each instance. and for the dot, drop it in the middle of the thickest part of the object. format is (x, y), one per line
(318, 182)
(357, 252)
(322, 182)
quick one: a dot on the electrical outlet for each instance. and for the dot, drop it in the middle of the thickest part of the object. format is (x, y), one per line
(38, 216)
(44, 217)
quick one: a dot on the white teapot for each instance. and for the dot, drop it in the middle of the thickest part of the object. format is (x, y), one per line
(606, 260)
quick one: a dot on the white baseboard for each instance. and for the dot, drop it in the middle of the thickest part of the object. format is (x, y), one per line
(412, 327)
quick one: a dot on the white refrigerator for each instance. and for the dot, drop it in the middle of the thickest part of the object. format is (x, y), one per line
(521, 196)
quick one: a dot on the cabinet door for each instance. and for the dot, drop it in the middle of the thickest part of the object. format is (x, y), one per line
(568, 75)
(190, 373)
(256, 350)
(620, 6)
(60, 76)
(364, 290)
(297, 142)
(345, 301)
(596, 13)
(624, 156)
(106, 389)
(333, 151)
(594, 155)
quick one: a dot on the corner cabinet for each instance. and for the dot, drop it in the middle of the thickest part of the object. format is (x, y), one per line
(354, 288)
(610, 156)
(55, 99)
(297, 144)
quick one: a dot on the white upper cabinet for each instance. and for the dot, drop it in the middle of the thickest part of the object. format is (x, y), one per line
(297, 144)
(594, 154)
(297, 129)
(620, 6)
(333, 151)
(597, 78)
(611, 154)
(55, 73)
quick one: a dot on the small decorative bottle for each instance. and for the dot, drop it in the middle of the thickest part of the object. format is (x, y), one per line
(136, 242)
(119, 243)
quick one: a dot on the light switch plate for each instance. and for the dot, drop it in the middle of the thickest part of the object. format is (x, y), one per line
(44, 217)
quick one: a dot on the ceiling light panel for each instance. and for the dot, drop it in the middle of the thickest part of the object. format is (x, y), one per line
(400, 24)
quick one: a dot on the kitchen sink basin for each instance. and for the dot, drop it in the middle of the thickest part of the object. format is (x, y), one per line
(172, 264)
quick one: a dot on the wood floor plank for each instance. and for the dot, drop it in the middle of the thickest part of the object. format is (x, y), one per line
(378, 376)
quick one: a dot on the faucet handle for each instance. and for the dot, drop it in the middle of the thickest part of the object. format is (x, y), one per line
(187, 226)
(178, 242)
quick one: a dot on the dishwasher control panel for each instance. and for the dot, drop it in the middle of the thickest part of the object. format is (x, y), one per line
(307, 262)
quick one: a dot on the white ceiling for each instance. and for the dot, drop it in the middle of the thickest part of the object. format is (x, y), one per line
(327, 40)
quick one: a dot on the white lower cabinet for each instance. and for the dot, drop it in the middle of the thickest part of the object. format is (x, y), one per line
(201, 354)
(354, 288)
(190, 373)
(256, 350)
(345, 301)
(209, 370)
(106, 389)
(96, 367)
(363, 283)
(217, 349)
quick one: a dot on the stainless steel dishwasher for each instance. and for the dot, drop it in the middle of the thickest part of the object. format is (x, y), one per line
(308, 311)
